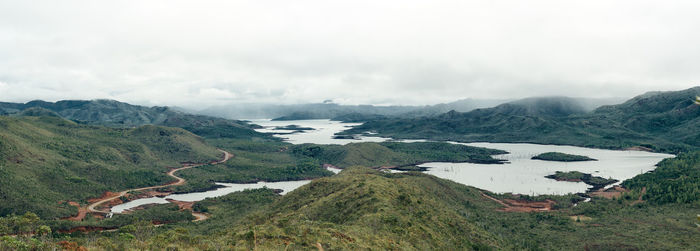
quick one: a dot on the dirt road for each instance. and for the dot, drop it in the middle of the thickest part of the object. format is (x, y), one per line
(92, 208)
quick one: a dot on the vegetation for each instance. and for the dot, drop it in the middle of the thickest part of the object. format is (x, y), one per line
(231, 209)
(675, 180)
(563, 157)
(254, 161)
(122, 115)
(47, 161)
(153, 214)
(278, 161)
(296, 128)
(362, 208)
(576, 176)
(664, 122)
(394, 153)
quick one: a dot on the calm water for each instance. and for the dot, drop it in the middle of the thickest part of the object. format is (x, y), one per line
(286, 186)
(526, 176)
(521, 175)
(322, 133)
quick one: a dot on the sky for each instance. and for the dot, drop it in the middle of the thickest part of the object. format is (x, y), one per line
(203, 53)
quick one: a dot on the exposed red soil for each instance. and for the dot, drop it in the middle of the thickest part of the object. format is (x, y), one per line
(82, 212)
(528, 206)
(110, 199)
(610, 193)
(71, 245)
(183, 205)
(105, 195)
(511, 205)
(186, 205)
(113, 198)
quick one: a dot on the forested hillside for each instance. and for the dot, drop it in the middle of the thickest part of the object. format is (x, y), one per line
(363, 208)
(113, 113)
(366, 209)
(393, 154)
(675, 180)
(662, 121)
(46, 161)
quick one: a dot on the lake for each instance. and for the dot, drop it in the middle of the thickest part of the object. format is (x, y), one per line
(323, 132)
(285, 186)
(524, 175)
(520, 175)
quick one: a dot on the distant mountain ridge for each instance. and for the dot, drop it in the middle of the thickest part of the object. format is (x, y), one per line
(119, 114)
(366, 112)
(664, 121)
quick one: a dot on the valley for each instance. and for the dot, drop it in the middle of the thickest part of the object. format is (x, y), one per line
(276, 184)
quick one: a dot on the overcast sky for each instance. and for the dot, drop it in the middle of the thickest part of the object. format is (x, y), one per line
(199, 53)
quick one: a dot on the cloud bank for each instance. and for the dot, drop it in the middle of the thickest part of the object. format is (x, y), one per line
(200, 53)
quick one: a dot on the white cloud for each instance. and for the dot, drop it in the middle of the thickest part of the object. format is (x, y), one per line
(198, 53)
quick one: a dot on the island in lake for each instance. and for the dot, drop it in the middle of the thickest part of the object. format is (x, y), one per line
(563, 157)
(294, 128)
(576, 176)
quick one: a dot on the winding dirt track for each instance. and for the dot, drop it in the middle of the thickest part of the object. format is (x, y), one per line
(92, 208)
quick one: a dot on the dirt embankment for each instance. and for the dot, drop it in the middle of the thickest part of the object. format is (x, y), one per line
(510, 205)
(187, 205)
(610, 193)
(82, 212)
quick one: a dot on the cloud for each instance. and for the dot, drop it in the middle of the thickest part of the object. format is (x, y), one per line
(200, 53)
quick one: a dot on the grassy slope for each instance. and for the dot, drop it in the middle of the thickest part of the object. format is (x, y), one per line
(362, 208)
(255, 161)
(44, 160)
(122, 115)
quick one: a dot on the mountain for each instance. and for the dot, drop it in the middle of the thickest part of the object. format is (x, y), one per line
(118, 114)
(663, 121)
(331, 110)
(46, 161)
(301, 111)
(670, 115)
(354, 113)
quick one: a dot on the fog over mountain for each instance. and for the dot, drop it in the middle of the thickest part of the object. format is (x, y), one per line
(331, 110)
(196, 54)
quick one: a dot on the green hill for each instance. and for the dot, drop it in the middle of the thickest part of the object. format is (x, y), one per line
(394, 154)
(112, 113)
(46, 160)
(365, 209)
(663, 121)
